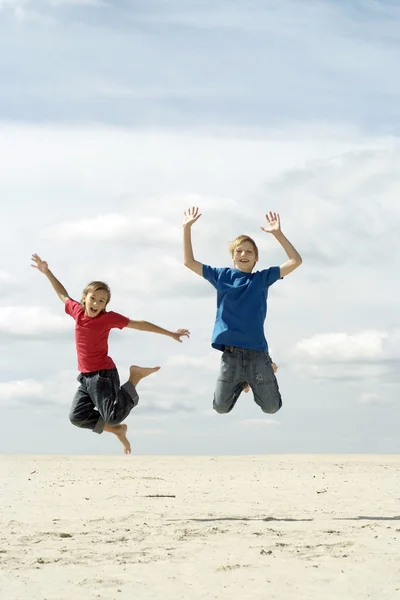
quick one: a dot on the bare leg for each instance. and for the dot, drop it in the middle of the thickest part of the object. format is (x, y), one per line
(246, 389)
(135, 375)
(120, 432)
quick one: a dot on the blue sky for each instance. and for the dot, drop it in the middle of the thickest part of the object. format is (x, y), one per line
(181, 64)
(116, 116)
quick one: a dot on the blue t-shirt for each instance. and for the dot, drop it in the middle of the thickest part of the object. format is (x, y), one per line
(241, 306)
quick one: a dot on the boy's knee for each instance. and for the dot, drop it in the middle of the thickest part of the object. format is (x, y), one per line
(222, 409)
(271, 410)
(272, 405)
(75, 421)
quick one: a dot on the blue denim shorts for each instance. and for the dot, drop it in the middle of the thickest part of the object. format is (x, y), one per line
(240, 367)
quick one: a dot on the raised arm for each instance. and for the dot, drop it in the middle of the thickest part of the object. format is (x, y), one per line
(189, 218)
(43, 267)
(146, 326)
(274, 227)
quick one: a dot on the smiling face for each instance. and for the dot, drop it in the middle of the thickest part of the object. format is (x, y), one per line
(95, 298)
(244, 254)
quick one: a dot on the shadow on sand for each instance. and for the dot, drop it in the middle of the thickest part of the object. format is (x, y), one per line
(364, 518)
(287, 520)
(266, 519)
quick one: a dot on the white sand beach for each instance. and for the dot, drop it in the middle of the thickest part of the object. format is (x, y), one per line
(264, 527)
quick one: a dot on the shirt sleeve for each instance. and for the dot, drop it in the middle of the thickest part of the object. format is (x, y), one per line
(212, 274)
(269, 276)
(73, 308)
(117, 321)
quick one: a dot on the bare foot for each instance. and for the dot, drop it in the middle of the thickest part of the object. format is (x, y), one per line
(137, 373)
(120, 432)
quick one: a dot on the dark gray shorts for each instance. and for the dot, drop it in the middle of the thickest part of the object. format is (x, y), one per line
(101, 400)
(239, 367)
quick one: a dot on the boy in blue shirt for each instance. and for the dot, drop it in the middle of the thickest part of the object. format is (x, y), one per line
(241, 312)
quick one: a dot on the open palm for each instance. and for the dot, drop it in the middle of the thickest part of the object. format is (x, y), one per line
(273, 223)
(39, 264)
(190, 216)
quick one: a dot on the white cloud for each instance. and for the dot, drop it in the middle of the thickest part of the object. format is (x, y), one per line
(93, 3)
(19, 5)
(32, 321)
(343, 347)
(108, 227)
(114, 227)
(372, 398)
(131, 224)
(366, 356)
(155, 399)
(34, 393)
(210, 362)
(366, 347)
(7, 278)
(27, 389)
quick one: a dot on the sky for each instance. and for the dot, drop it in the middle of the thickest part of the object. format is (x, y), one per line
(117, 116)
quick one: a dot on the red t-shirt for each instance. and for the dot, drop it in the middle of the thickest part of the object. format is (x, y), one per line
(91, 336)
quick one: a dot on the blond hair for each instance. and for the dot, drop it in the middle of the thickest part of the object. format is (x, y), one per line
(96, 286)
(240, 240)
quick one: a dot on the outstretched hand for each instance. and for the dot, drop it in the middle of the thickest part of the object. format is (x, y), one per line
(39, 264)
(191, 216)
(273, 223)
(180, 333)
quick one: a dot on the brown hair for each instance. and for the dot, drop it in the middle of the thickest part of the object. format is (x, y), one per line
(95, 286)
(240, 240)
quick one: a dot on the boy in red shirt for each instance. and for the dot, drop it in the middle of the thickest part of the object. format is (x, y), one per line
(100, 403)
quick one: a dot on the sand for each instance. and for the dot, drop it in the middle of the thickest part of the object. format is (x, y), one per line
(265, 527)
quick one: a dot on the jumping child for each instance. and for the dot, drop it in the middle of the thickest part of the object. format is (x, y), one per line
(241, 312)
(100, 403)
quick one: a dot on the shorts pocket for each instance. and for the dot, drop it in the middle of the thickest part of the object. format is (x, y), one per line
(229, 361)
(262, 371)
(103, 388)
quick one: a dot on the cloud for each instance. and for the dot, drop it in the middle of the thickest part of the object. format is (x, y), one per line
(370, 355)
(34, 394)
(94, 82)
(26, 390)
(348, 179)
(343, 347)
(168, 405)
(168, 394)
(32, 322)
(155, 401)
(209, 362)
(9, 286)
(18, 7)
(114, 227)
(371, 398)
(364, 346)
(163, 230)
(6, 278)
(164, 278)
